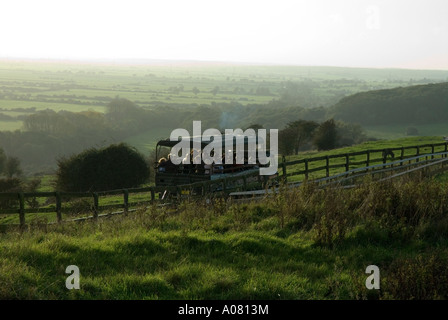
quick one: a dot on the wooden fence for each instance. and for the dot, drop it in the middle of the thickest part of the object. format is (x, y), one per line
(303, 169)
(345, 162)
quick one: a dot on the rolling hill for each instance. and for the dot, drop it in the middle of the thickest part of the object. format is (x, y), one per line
(414, 105)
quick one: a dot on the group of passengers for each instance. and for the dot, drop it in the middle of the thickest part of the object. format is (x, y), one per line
(189, 167)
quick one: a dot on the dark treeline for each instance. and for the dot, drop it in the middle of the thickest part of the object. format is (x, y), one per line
(423, 104)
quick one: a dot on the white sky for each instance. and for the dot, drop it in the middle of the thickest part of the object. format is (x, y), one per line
(358, 33)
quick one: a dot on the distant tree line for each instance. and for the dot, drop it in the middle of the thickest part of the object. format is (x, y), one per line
(422, 104)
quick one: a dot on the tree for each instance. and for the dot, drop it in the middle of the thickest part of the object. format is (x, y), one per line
(114, 167)
(9, 185)
(120, 109)
(12, 167)
(286, 137)
(326, 135)
(303, 132)
(296, 135)
(349, 134)
(195, 91)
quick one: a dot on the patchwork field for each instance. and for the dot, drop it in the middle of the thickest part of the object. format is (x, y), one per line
(30, 86)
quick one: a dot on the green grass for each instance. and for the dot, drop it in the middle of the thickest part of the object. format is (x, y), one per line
(271, 250)
(303, 244)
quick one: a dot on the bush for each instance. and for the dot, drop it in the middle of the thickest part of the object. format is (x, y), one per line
(114, 167)
(326, 135)
(424, 277)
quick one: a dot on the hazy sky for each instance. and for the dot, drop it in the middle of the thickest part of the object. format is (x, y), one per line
(375, 33)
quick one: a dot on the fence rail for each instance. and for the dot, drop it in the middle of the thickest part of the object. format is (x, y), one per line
(330, 166)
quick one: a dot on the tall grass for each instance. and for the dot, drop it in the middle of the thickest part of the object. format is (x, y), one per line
(304, 243)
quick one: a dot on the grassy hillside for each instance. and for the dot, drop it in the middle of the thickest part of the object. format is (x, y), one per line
(299, 244)
(370, 145)
(305, 244)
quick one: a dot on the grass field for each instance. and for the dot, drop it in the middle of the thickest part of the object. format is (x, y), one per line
(303, 245)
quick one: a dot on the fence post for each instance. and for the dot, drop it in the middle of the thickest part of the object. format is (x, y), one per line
(58, 207)
(244, 183)
(306, 169)
(125, 200)
(347, 162)
(284, 169)
(446, 148)
(22, 210)
(402, 156)
(368, 158)
(327, 166)
(418, 153)
(153, 195)
(432, 151)
(95, 205)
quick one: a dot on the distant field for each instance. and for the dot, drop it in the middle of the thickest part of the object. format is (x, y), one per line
(10, 125)
(71, 85)
(30, 86)
(56, 106)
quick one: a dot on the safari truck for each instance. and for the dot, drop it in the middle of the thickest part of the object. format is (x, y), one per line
(229, 176)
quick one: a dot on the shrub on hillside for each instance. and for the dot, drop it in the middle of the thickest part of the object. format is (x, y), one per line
(326, 135)
(114, 167)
